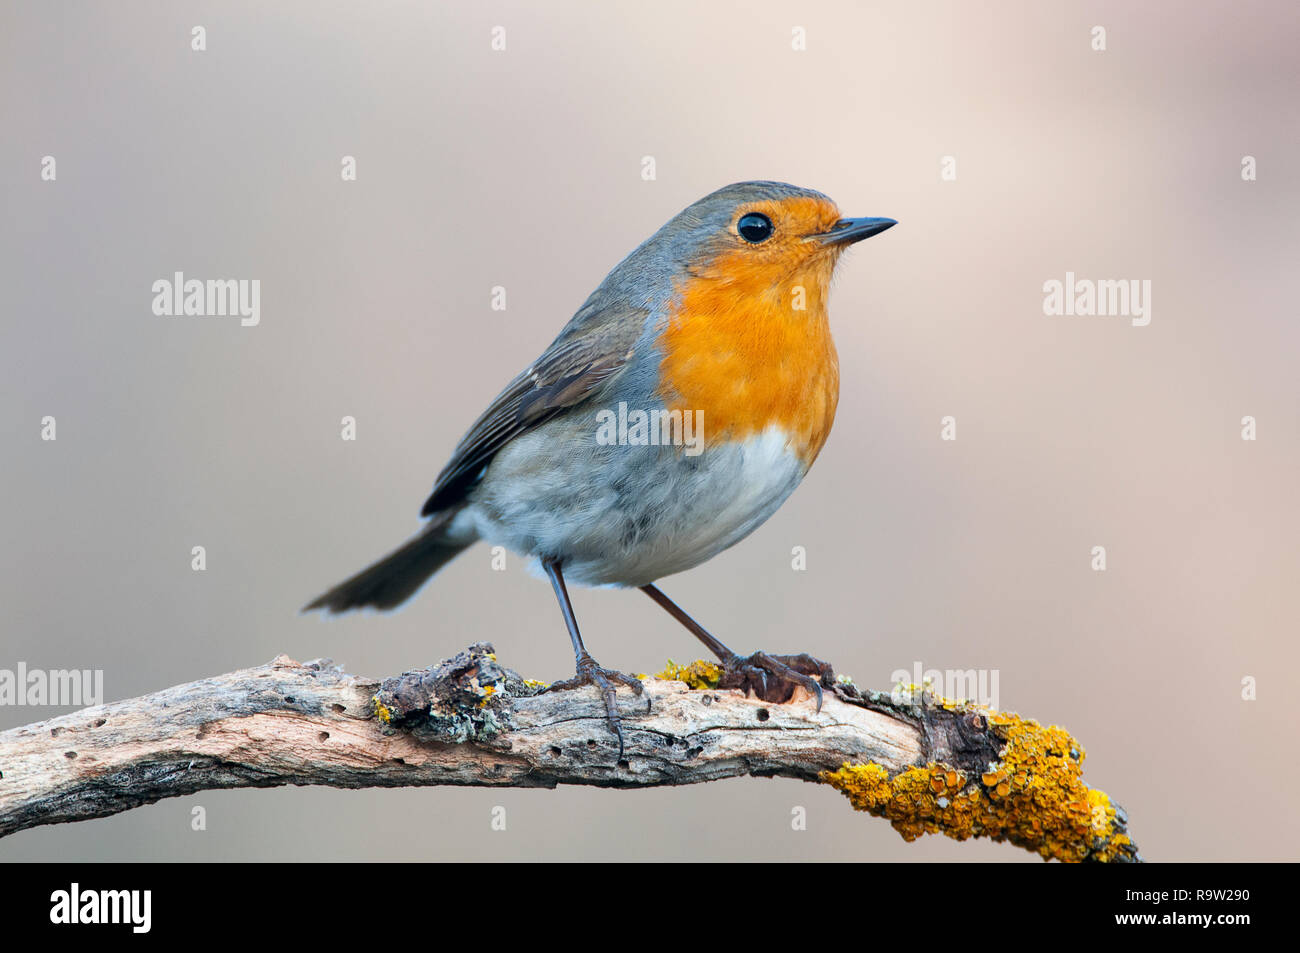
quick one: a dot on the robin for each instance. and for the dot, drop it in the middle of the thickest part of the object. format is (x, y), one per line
(675, 412)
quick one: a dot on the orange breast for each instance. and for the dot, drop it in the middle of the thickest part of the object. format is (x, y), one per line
(739, 349)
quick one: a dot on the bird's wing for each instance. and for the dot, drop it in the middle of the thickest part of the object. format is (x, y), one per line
(595, 346)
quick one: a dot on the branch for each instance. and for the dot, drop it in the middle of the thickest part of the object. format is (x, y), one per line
(927, 764)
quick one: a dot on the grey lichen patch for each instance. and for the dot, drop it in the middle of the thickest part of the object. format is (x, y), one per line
(465, 698)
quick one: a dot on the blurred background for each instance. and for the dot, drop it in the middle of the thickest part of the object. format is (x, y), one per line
(522, 168)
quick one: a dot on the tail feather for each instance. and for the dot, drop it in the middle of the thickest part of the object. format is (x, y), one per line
(396, 577)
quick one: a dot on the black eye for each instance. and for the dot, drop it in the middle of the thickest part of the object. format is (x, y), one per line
(754, 227)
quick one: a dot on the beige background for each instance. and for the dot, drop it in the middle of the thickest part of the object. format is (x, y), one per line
(522, 169)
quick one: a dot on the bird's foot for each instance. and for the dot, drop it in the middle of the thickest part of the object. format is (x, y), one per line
(607, 680)
(774, 678)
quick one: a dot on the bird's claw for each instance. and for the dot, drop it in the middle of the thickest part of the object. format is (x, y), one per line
(773, 678)
(607, 680)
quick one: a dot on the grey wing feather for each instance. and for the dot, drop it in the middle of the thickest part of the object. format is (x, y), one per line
(592, 348)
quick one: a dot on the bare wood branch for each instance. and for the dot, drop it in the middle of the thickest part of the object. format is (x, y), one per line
(469, 721)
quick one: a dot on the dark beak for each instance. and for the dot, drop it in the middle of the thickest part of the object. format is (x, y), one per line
(849, 230)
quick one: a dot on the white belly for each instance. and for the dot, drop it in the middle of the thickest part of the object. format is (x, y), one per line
(627, 515)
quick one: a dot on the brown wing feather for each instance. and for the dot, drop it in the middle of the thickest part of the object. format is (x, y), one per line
(589, 352)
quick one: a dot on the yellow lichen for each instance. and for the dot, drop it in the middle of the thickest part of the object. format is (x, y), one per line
(381, 711)
(697, 675)
(1034, 796)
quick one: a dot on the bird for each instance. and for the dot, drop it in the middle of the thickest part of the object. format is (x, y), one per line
(680, 406)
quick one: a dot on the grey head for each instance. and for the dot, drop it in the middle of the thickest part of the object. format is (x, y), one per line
(771, 225)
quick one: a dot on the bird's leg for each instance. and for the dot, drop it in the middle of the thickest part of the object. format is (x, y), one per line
(588, 672)
(770, 677)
